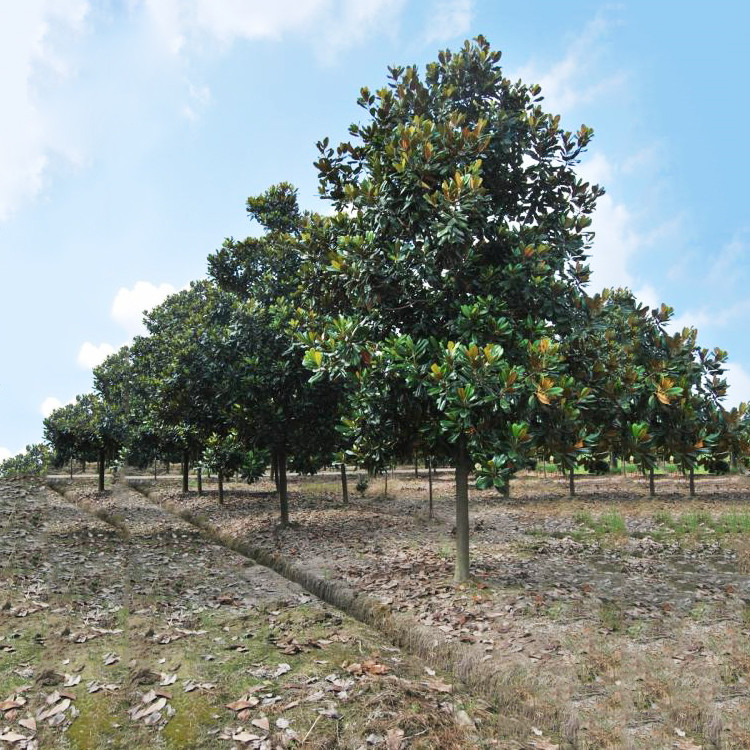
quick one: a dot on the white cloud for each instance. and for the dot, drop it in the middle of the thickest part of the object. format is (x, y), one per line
(739, 385)
(620, 235)
(596, 169)
(199, 97)
(449, 19)
(129, 304)
(186, 27)
(34, 39)
(732, 315)
(729, 269)
(615, 243)
(90, 355)
(49, 405)
(5, 453)
(569, 82)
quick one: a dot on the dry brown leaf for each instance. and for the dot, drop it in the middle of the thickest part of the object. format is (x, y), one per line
(244, 737)
(58, 708)
(28, 723)
(262, 723)
(248, 701)
(439, 686)
(11, 703)
(394, 738)
(12, 737)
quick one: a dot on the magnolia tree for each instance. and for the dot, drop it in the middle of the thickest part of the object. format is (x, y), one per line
(89, 429)
(272, 404)
(455, 258)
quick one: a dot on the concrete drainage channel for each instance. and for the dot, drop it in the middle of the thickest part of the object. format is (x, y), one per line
(469, 664)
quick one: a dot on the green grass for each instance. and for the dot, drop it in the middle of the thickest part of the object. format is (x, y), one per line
(609, 523)
(698, 523)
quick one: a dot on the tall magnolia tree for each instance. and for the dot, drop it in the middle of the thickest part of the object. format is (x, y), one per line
(458, 248)
(272, 403)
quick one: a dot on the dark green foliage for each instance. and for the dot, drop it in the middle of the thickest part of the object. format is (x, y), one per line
(34, 462)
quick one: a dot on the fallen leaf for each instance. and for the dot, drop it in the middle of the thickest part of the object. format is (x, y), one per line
(12, 737)
(394, 738)
(262, 723)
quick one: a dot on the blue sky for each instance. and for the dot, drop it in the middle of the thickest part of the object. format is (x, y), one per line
(133, 131)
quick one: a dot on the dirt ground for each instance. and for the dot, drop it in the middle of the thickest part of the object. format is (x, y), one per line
(615, 620)
(122, 626)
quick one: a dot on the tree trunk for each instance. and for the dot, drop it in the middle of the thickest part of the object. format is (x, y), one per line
(156, 466)
(275, 469)
(185, 471)
(506, 489)
(416, 465)
(71, 468)
(221, 487)
(101, 471)
(386, 482)
(344, 485)
(281, 486)
(651, 488)
(544, 467)
(572, 482)
(200, 480)
(462, 512)
(429, 483)
(692, 482)
(166, 467)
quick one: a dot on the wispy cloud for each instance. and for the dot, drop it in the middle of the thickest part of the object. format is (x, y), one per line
(189, 27)
(569, 82)
(35, 42)
(448, 20)
(5, 453)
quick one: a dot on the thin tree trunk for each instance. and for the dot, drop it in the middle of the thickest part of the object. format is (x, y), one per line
(185, 471)
(156, 466)
(101, 471)
(651, 488)
(281, 485)
(199, 474)
(544, 466)
(167, 467)
(275, 469)
(344, 485)
(416, 465)
(692, 482)
(71, 468)
(221, 487)
(572, 482)
(429, 483)
(462, 512)
(386, 482)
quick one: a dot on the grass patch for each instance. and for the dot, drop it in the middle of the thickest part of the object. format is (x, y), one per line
(700, 522)
(608, 523)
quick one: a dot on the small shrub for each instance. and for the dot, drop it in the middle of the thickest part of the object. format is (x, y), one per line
(362, 484)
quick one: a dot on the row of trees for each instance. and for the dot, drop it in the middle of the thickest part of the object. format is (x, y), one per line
(439, 310)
